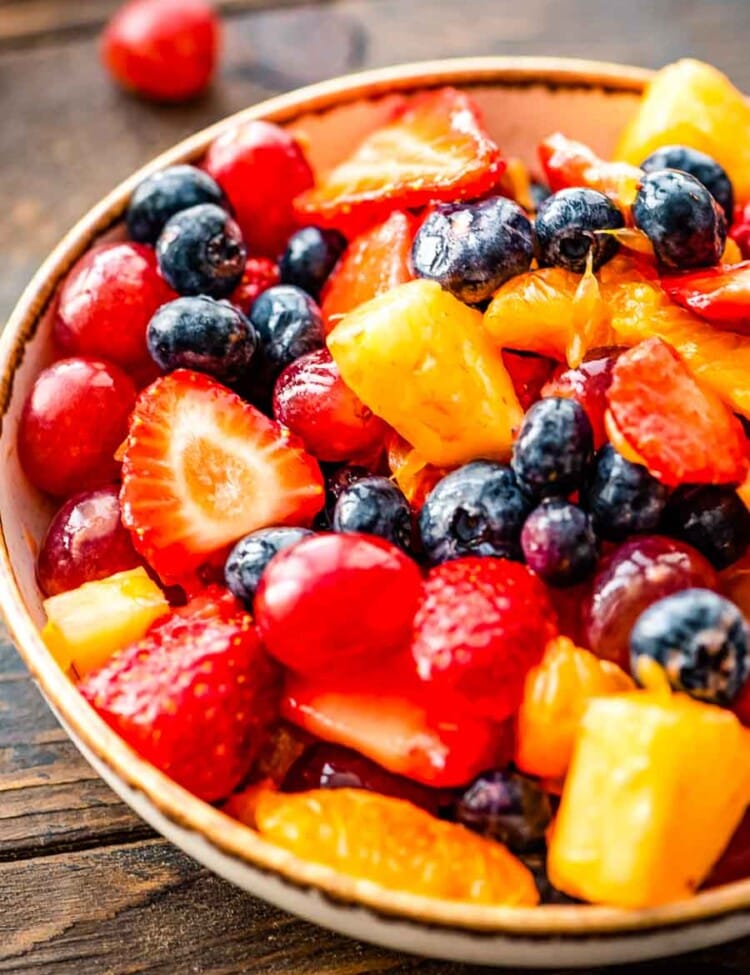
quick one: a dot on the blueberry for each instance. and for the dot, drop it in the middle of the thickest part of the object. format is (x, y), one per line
(506, 806)
(623, 498)
(567, 225)
(336, 482)
(309, 258)
(682, 220)
(289, 324)
(250, 556)
(705, 169)
(478, 509)
(204, 334)
(375, 506)
(470, 249)
(700, 639)
(200, 251)
(161, 196)
(712, 519)
(559, 543)
(554, 448)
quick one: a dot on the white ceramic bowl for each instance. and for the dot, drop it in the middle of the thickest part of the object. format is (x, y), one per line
(523, 100)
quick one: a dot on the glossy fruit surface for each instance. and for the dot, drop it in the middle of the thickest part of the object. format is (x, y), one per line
(556, 694)
(374, 262)
(712, 519)
(691, 103)
(529, 373)
(482, 624)
(85, 541)
(637, 574)
(685, 762)
(248, 559)
(311, 399)
(87, 625)
(623, 498)
(203, 334)
(260, 274)
(682, 430)
(374, 506)
(470, 249)
(388, 716)
(337, 602)
(699, 165)
(567, 163)
(327, 766)
(201, 252)
(194, 450)
(415, 349)
(194, 697)
(559, 543)
(163, 49)
(310, 256)
(107, 301)
(75, 418)
(569, 227)
(478, 509)
(700, 639)
(505, 806)
(721, 294)
(261, 168)
(554, 448)
(587, 384)
(395, 844)
(435, 149)
(161, 195)
(681, 218)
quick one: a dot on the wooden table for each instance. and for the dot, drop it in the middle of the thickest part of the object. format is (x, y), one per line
(85, 886)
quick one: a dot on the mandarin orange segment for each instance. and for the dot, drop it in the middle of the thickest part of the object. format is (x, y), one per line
(393, 843)
(414, 476)
(556, 694)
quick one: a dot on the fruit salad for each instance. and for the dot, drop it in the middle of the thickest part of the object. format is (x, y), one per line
(404, 510)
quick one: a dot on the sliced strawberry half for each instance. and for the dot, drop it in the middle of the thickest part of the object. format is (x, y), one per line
(373, 263)
(681, 431)
(437, 149)
(568, 163)
(721, 295)
(202, 468)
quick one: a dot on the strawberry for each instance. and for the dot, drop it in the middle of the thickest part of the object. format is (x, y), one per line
(567, 163)
(679, 429)
(202, 468)
(260, 274)
(436, 149)
(482, 625)
(194, 697)
(374, 262)
(721, 295)
(740, 229)
(386, 719)
(214, 602)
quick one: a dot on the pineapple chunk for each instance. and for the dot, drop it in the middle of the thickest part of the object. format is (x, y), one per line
(86, 625)
(693, 104)
(421, 360)
(657, 786)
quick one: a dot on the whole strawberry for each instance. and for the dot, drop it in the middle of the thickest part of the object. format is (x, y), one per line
(194, 697)
(482, 625)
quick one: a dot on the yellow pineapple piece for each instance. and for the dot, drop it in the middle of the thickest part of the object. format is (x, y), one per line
(657, 786)
(421, 359)
(693, 104)
(86, 625)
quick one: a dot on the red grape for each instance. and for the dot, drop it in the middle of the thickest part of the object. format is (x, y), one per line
(637, 574)
(74, 420)
(107, 302)
(528, 373)
(85, 541)
(312, 400)
(261, 168)
(588, 385)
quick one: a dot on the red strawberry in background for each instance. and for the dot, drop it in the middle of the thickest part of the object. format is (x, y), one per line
(195, 698)
(202, 468)
(482, 625)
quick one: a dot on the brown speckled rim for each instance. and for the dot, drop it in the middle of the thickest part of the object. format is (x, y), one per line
(170, 800)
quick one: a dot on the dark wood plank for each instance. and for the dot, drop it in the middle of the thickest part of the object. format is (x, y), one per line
(164, 915)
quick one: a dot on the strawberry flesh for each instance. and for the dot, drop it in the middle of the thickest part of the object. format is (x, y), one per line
(721, 295)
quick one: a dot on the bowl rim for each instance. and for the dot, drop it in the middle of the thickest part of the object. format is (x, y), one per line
(224, 834)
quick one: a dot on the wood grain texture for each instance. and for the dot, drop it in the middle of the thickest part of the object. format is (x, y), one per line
(85, 886)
